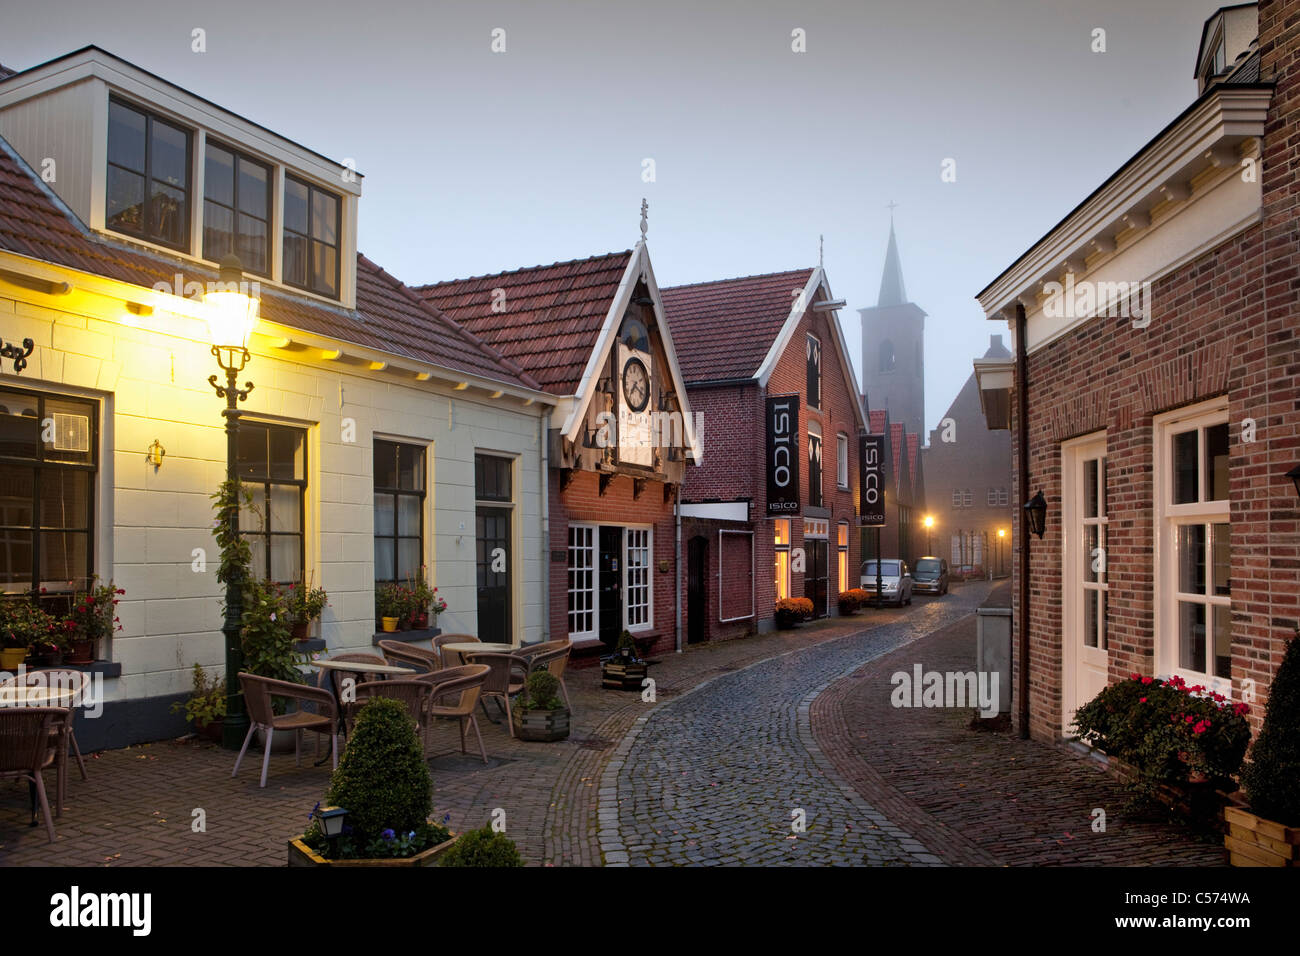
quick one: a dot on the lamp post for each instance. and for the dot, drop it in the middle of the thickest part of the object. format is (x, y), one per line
(929, 534)
(1002, 533)
(231, 314)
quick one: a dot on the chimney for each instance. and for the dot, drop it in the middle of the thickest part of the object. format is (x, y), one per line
(995, 341)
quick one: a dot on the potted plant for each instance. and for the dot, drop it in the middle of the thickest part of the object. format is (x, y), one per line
(538, 713)
(625, 668)
(46, 638)
(790, 611)
(852, 600)
(384, 785)
(306, 604)
(268, 644)
(1266, 830)
(482, 847)
(92, 619)
(1176, 744)
(389, 606)
(14, 637)
(206, 708)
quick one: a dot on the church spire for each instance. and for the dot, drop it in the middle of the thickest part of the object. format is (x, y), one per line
(891, 282)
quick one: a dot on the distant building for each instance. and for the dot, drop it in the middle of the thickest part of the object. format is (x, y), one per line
(970, 484)
(893, 349)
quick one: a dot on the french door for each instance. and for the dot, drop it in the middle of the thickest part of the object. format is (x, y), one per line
(1085, 658)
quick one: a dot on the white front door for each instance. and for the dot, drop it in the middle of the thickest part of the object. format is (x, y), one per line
(1083, 632)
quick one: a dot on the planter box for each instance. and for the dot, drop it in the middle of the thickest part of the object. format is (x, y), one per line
(281, 741)
(623, 676)
(541, 725)
(300, 854)
(1254, 841)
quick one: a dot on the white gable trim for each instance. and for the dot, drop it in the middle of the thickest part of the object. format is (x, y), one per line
(816, 282)
(638, 267)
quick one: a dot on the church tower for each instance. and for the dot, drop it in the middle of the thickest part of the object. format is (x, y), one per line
(893, 348)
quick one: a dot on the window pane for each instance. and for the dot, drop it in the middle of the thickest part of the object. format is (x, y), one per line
(1089, 488)
(324, 217)
(385, 458)
(252, 244)
(167, 220)
(286, 514)
(295, 206)
(15, 560)
(1216, 462)
(1101, 619)
(168, 158)
(65, 498)
(782, 574)
(411, 467)
(1221, 549)
(125, 211)
(219, 175)
(384, 559)
(285, 557)
(64, 557)
(1185, 485)
(384, 515)
(782, 531)
(251, 452)
(1091, 559)
(1222, 641)
(257, 552)
(1191, 636)
(286, 453)
(324, 265)
(1090, 618)
(253, 179)
(125, 137)
(16, 495)
(218, 230)
(1191, 558)
(408, 558)
(408, 514)
(295, 259)
(20, 429)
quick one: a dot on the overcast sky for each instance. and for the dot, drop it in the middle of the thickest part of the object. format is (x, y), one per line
(477, 161)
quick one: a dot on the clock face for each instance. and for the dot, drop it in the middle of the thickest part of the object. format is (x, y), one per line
(636, 384)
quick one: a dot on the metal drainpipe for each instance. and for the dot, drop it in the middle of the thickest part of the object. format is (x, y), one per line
(677, 562)
(546, 524)
(1022, 411)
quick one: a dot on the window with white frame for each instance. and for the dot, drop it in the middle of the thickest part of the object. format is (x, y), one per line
(1002, 497)
(956, 497)
(842, 461)
(967, 499)
(842, 549)
(1194, 553)
(582, 581)
(636, 582)
(993, 497)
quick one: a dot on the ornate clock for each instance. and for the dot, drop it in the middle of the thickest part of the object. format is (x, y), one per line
(636, 384)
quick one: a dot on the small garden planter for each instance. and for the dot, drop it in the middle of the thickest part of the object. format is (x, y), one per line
(302, 631)
(1254, 841)
(302, 855)
(12, 657)
(389, 624)
(47, 659)
(618, 673)
(541, 725)
(80, 652)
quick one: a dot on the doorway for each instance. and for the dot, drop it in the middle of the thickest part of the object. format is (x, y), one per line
(492, 534)
(1085, 655)
(697, 589)
(816, 552)
(610, 574)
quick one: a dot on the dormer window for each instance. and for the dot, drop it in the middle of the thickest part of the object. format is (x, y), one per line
(236, 208)
(311, 238)
(148, 193)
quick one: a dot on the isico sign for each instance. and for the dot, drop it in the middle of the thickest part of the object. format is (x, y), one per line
(783, 455)
(871, 481)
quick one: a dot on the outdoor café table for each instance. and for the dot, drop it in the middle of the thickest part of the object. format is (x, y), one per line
(17, 695)
(355, 667)
(471, 647)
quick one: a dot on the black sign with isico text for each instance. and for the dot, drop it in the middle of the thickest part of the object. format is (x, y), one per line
(871, 481)
(783, 455)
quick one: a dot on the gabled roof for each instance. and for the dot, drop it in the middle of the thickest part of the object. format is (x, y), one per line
(544, 318)
(897, 440)
(879, 421)
(913, 443)
(705, 316)
(389, 317)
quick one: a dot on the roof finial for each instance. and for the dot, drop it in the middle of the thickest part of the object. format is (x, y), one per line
(821, 251)
(891, 205)
(645, 209)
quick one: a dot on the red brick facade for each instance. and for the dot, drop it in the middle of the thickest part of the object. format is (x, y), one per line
(1221, 325)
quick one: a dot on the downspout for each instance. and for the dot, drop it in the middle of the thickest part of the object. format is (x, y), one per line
(546, 523)
(1022, 612)
(677, 562)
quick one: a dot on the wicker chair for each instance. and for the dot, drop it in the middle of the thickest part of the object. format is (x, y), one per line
(553, 656)
(75, 681)
(505, 679)
(463, 683)
(415, 694)
(258, 692)
(451, 658)
(400, 653)
(28, 744)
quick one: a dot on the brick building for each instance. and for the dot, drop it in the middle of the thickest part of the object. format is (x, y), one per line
(1157, 361)
(765, 364)
(592, 333)
(970, 482)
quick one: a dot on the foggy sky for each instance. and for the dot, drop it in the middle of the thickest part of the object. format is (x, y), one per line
(476, 162)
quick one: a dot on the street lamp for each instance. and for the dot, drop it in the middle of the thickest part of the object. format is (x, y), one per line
(1036, 512)
(929, 535)
(231, 314)
(1002, 533)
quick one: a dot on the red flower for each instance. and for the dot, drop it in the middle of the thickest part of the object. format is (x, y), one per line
(121, 591)
(1142, 701)
(1146, 680)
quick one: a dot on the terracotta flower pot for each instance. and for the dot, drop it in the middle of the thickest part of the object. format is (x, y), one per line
(302, 630)
(80, 652)
(421, 621)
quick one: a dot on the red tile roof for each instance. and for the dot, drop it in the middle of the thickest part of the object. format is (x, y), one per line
(896, 440)
(913, 444)
(879, 419)
(551, 318)
(389, 317)
(706, 317)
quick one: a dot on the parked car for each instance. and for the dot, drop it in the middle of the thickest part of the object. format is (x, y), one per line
(895, 581)
(931, 576)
